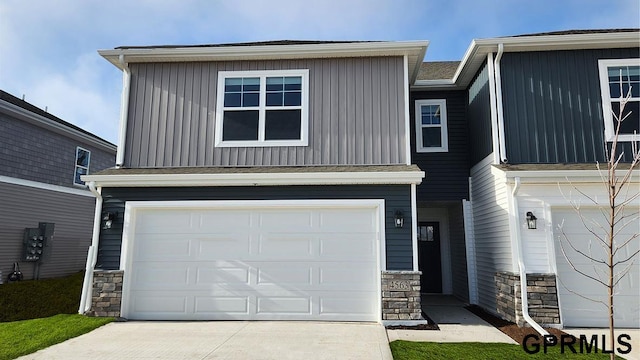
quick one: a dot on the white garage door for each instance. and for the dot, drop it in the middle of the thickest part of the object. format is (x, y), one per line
(253, 263)
(576, 310)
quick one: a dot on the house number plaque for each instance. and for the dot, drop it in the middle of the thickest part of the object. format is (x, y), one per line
(399, 285)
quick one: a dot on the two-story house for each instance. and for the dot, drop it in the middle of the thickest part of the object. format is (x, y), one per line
(41, 161)
(539, 116)
(286, 180)
(261, 181)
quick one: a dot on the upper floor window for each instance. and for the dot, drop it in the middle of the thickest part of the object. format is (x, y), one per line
(431, 126)
(82, 165)
(262, 108)
(616, 78)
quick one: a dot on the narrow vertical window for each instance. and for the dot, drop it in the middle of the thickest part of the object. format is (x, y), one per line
(82, 165)
(619, 78)
(431, 126)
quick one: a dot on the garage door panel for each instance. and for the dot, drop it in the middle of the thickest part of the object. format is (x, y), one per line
(279, 220)
(346, 220)
(575, 309)
(221, 246)
(296, 264)
(162, 247)
(284, 305)
(236, 305)
(278, 274)
(163, 221)
(347, 247)
(283, 245)
(225, 273)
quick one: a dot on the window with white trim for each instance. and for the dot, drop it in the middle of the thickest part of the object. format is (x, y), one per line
(431, 126)
(262, 108)
(617, 78)
(83, 157)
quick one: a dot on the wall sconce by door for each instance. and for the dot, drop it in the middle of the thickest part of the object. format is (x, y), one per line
(108, 218)
(398, 218)
(531, 220)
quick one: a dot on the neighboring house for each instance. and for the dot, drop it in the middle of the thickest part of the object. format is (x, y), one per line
(41, 160)
(286, 180)
(539, 118)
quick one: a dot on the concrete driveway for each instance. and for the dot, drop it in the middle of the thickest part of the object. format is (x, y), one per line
(225, 340)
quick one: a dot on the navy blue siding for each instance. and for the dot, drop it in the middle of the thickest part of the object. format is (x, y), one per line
(553, 107)
(479, 115)
(397, 197)
(447, 172)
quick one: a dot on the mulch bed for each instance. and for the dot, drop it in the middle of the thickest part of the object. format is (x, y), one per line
(508, 328)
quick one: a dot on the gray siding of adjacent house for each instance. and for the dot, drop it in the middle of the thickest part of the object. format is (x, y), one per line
(397, 197)
(356, 114)
(479, 115)
(24, 207)
(553, 107)
(447, 172)
(34, 153)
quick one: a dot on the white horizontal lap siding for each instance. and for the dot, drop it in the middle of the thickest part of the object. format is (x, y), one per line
(253, 260)
(491, 225)
(535, 242)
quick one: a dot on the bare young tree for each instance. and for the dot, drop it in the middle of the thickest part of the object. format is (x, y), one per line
(610, 258)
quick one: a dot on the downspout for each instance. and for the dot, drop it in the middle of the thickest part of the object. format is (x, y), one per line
(499, 108)
(124, 110)
(523, 275)
(495, 142)
(92, 254)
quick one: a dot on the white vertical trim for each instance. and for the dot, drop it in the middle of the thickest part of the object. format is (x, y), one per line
(407, 121)
(124, 111)
(551, 249)
(470, 247)
(494, 111)
(499, 107)
(414, 227)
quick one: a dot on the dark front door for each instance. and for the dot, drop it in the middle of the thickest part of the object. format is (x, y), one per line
(429, 257)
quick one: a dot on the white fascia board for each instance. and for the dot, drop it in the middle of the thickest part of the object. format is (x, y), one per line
(42, 121)
(435, 85)
(45, 186)
(555, 176)
(479, 48)
(257, 179)
(267, 52)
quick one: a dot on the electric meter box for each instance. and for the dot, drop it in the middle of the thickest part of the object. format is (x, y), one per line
(36, 242)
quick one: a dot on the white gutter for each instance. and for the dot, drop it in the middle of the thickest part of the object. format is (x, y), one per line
(518, 249)
(124, 110)
(493, 111)
(92, 254)
(499, 107)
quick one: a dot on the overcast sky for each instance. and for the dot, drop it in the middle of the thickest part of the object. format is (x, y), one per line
(48, 49)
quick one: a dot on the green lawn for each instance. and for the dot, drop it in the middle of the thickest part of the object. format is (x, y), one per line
(408, 350)
(27, 336)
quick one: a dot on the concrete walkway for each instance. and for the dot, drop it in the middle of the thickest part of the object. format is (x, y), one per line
(456, 323)
(225, 340)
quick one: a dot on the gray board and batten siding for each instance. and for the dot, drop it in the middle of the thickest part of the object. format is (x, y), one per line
(553, 107)
(24, 207)
(479, 115)
(399, 252)
(356, 114)
(448, 171)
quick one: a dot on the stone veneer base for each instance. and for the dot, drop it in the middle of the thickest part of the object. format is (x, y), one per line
(542, 298)
(401, 295)
(106, 297)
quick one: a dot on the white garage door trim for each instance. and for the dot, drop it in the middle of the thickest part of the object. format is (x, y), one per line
(133, 207)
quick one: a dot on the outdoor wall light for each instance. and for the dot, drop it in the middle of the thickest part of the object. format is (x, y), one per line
(531, 220)
(398, 218)
(108, 219)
